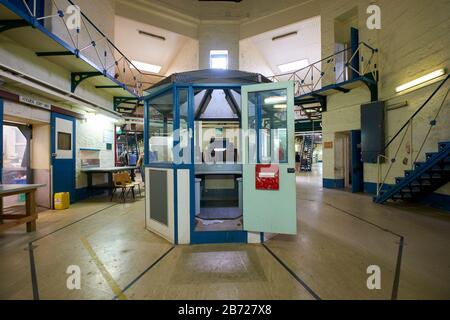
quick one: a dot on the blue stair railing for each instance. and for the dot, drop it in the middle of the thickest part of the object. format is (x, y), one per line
(424, 171)
(66, 24)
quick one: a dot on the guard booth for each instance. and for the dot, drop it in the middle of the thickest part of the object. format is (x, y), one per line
(220, 158)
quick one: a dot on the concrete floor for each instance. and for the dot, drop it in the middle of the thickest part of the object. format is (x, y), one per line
(340, 235)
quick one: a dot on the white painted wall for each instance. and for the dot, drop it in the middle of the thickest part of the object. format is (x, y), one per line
(218, 36)
(413, 41)
(251, 60)
(187, 58)
(90, 135)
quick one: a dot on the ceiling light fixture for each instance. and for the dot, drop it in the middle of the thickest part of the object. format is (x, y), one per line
(149, 34)
(293, 66)
(290, 34)
(145, 66)
(275, 100)
(418, 81)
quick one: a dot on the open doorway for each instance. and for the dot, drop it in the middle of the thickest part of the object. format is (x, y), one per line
(348, 160)
(16, 159)
(218, 170)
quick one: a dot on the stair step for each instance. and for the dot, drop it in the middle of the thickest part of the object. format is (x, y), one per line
(430, 155)
(418, 164)
(436, 176)
(443, 144)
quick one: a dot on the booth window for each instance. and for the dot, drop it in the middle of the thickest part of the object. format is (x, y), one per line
(218, 59)
(160, 128)
(268, 118)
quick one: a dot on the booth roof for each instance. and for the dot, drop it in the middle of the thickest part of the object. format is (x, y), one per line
(215, 76)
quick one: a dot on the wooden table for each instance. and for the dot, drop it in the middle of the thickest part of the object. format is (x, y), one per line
(30, 215)
(109, 171)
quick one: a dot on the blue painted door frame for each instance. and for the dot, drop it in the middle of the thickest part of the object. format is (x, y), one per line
(357, 164)
(63, 170)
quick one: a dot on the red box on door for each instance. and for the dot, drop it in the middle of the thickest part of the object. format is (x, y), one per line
(267, 177)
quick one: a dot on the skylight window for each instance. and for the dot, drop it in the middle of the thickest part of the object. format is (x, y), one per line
(293, 66)
(145, 66)
(218, 59)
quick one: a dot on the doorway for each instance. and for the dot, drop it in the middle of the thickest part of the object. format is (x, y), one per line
(16, 159)
(63, 154)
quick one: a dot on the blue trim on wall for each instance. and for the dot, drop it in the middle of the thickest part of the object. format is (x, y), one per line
(437, 200)
(371, 187)
(333, 183)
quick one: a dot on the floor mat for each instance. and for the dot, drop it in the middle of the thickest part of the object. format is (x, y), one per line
(219, 213)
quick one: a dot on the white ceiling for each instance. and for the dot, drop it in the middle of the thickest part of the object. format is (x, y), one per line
(145, 48)
(305, 45)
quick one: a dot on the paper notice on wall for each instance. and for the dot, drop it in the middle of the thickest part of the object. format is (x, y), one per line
(108, 136)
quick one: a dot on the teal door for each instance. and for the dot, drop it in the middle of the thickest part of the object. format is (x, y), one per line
(269, 189)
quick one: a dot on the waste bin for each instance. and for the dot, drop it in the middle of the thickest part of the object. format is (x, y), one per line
(240, 190)
(62, 200)
(197, 195)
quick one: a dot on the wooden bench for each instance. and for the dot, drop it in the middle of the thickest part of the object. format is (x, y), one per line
(30, 215)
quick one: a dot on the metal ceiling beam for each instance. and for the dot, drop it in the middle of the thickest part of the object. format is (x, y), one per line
(54, 53)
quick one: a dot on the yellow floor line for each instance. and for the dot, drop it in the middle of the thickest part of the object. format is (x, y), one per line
(106, 275)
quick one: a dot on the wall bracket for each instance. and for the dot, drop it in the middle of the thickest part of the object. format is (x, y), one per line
(78, 77)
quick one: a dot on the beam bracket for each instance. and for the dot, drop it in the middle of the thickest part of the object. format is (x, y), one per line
(372, 84)
(127, 100)
(12, 24)
(78, 77)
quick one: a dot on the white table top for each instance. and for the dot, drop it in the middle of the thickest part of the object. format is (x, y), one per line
(8, 188)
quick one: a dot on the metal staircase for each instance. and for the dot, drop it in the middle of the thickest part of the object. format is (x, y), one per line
(426, 177)
(420, 177)
(307, 153)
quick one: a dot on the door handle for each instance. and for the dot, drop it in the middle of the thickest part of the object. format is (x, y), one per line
(54, 155)
(291, 170)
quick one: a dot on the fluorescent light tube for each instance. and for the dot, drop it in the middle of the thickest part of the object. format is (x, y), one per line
(293, 66)
(420, 80)
(145, 66)
(275, 100)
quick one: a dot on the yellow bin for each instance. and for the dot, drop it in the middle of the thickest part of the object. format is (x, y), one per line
(62, 200)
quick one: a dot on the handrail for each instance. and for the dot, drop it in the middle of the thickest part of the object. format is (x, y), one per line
(110, 42)
(315, 72)
(416, 112)
(409, 125)
(108, 60)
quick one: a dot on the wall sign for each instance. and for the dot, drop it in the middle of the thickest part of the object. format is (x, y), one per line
(328, 145)
(35, 103)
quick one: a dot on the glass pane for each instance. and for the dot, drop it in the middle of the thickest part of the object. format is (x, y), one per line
(64, 141)
(15, 162)
(183, 150)
(268, 114)
(160, 117)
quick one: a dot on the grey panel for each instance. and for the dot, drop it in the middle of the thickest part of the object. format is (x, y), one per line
(372, 131)
(158, 196)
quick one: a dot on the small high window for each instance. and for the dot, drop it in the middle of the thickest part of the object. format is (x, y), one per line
(218, 59)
